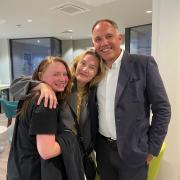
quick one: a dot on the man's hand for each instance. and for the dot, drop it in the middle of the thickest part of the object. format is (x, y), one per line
(47, 94)
(149, 158)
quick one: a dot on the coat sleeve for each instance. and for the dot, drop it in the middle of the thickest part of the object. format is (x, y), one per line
(20, 87)
(160, 106)
(71, 155)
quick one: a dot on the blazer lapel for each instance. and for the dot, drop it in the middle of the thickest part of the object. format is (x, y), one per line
(72, 99)
(124, 73)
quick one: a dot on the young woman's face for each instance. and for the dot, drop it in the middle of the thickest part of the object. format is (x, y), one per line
(86, 69)
(55, 76)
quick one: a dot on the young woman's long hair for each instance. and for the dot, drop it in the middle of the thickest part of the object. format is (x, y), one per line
(40, 69)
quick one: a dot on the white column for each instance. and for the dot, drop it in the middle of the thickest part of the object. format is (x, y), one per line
(166, 50)
(5, 71)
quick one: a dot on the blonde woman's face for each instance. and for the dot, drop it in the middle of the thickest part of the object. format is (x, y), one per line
(86, 69)
(55, 76)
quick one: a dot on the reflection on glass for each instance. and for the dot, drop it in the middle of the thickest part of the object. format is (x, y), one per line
(28, 53)
(140, 39)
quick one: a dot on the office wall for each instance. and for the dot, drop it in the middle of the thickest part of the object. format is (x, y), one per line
(5, 72)
(72, 48)
(81, 45)
(67, 50)
(166, 50)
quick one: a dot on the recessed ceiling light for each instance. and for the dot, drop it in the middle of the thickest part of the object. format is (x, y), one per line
(2, 21)
(148, 12)
(29, 20)
(38, 41)
(68, 31)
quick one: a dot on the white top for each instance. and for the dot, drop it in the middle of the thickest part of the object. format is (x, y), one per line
(106, 97)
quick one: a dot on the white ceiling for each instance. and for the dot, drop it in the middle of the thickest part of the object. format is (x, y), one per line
(49, 20)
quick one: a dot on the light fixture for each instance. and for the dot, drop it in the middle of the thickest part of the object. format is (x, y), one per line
(2, 21)
(38, 41)
(70, 30)
(148, 12)
(29, 20)
(69, 8)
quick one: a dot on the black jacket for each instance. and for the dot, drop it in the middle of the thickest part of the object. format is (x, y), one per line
(71, 155)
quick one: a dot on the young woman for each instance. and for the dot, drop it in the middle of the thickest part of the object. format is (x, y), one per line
(78, 112)
(34, 140)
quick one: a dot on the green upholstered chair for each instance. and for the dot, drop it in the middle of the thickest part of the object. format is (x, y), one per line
(155, 164)
(9, 108)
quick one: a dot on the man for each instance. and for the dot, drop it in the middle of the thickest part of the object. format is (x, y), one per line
(126, 141)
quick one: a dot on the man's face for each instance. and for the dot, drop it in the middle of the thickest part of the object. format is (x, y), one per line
(106, 41)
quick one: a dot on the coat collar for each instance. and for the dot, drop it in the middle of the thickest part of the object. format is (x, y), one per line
(124, 73)
(72, 99)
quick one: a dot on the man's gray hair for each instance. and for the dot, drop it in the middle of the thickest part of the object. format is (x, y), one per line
(108, 21)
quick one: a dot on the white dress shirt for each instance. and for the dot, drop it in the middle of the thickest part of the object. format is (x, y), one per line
(106, 97)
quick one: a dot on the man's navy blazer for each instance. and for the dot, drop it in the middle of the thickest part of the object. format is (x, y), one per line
(139, 90)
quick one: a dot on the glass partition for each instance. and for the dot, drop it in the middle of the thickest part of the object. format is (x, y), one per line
(26, 54)
(138, 39)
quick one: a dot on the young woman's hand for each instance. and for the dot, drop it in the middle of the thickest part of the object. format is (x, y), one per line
(46, 94)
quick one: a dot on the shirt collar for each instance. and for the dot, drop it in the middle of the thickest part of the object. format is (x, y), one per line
(117, 62)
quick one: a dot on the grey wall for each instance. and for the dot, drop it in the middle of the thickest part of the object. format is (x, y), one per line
(5, 72)
(81, 45)
(67, 50)
(72, 48)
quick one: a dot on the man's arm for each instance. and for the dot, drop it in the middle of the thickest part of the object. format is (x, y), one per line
(23, 86)
(160, 106)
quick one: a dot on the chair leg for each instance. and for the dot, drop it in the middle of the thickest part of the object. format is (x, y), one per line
(9, 122)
